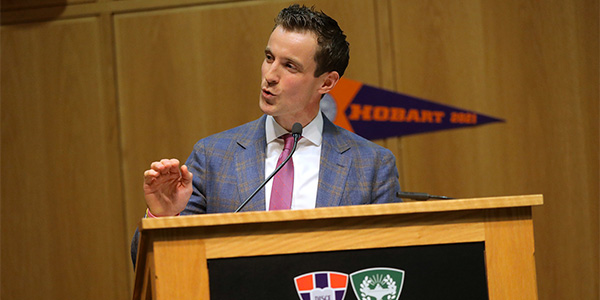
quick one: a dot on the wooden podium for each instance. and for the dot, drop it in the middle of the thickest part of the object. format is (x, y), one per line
(174, 251)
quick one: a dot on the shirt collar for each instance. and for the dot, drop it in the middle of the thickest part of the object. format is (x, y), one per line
(313, 132)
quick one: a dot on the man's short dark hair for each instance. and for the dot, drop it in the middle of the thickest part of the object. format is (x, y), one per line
(333, 52)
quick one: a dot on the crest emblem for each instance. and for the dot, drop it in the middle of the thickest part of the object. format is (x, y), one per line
(377, 283)
(321, 286)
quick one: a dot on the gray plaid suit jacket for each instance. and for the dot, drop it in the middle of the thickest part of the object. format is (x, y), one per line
(228, 166)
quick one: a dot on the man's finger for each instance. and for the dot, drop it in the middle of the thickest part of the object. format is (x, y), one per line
(150, 176)
(186, 176)
(157, 166)
(174, 166)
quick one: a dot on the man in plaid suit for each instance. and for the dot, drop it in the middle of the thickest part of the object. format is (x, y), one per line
(305, 56)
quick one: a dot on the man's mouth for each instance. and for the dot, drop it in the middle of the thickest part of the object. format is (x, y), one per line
(267, 92)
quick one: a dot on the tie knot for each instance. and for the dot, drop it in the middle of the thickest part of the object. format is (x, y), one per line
(288, 141)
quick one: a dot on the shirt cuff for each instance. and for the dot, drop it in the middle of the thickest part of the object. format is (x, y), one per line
(151, 216)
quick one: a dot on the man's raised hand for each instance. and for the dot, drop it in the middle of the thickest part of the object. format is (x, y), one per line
(167, 187)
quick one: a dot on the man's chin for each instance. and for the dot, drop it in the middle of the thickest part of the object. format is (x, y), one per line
(266, 108)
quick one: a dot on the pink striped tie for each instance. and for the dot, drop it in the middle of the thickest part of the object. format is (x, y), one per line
(283, 182)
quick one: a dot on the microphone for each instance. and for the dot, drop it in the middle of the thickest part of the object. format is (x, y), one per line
(296, 133)
(420, 196)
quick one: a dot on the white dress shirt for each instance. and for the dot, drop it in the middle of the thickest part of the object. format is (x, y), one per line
(306, 161)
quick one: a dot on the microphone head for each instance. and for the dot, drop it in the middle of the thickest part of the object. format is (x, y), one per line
(297, 129)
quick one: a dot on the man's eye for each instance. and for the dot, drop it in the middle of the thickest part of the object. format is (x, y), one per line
(269, 57)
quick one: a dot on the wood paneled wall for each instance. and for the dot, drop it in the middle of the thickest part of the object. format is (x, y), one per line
(93, 91)
(63, 231)
(535, 65)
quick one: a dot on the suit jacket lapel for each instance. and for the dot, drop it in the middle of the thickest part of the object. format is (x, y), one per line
(250, 164)
(334, 167)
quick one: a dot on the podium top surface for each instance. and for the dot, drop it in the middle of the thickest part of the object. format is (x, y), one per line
(340, 212)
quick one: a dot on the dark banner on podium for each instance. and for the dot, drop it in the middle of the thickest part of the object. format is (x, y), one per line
(375, 113)
(449, 271)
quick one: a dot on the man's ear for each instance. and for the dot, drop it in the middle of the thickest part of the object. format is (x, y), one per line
(329, 82)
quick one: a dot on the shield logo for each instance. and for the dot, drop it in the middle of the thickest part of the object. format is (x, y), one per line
(377, 283)
(323, 285)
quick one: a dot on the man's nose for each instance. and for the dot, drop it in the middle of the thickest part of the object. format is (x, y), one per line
(271, 74)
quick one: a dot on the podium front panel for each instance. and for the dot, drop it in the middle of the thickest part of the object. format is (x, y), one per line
(451, 271)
